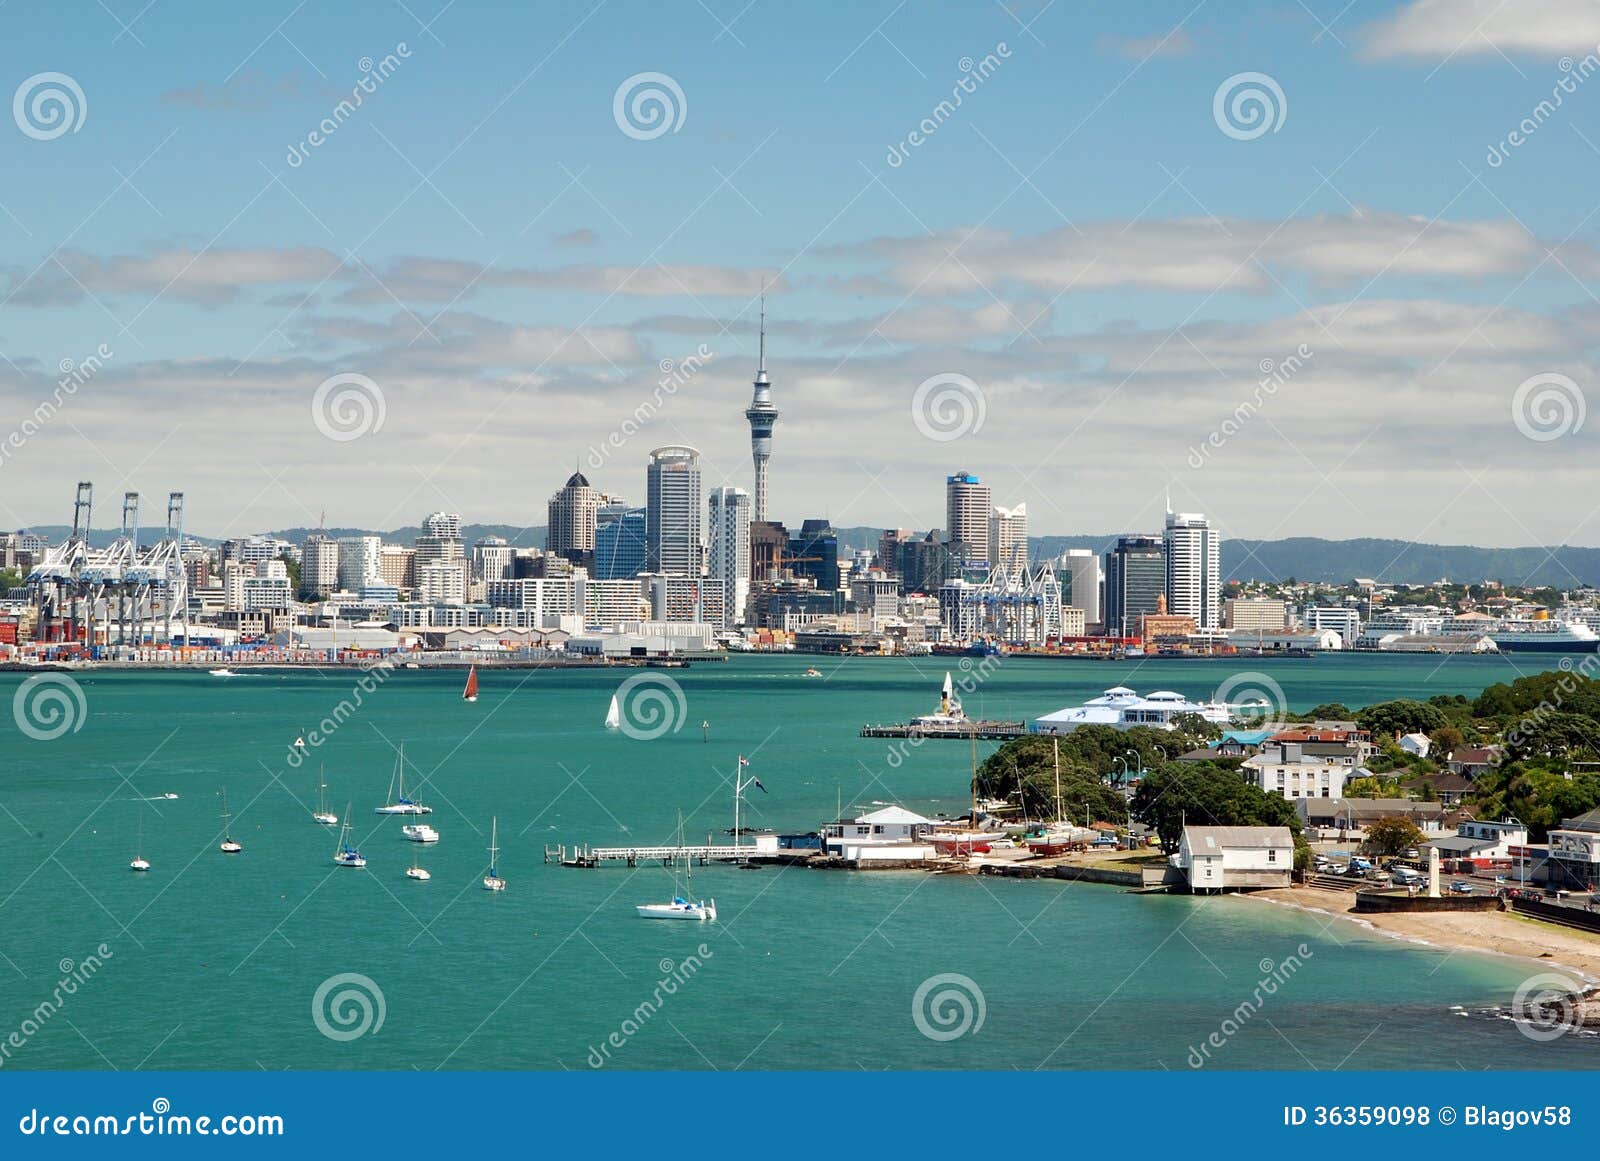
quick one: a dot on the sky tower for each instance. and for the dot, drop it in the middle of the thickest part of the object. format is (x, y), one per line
(762, 416)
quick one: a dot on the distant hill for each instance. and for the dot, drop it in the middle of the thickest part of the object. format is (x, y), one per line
(1302, 557)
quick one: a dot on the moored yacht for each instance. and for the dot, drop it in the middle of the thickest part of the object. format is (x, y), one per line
(401, 804)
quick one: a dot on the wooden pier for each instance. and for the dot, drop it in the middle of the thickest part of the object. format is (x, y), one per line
(989, 731)
(667, 856)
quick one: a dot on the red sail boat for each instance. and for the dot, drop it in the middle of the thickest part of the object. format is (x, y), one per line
(471, 692)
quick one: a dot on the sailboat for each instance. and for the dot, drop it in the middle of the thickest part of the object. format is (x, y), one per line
(345, 855)
(402, 804)
(322, 814)
(614, 714)
(228, 846)
(470, 693)
(416, 871)
(681, 907)
(139, 862)
(1062, 835)
(492, 881)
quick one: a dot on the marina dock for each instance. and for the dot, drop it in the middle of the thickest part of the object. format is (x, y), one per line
(964, 731)
(587, 856)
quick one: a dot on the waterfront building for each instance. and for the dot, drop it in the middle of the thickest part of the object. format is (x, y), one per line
(492, 559)
(769, 544)
(1344, 621)
(763, 417)
(319, 567)
(1483, 839)
(545, 599)
(1079, 569)
(1350, 817)
(1136, 578)
(1233, 858)
(876, 593)
(891, 832)
(610, 604)
(730, 547)
(573, 513)
(1122, 708)
(619, 546)
(967, 509)
(1575, 852)
(1194, 569)
(685, 600)
(1255, 613)
(1303, 769)
(1008, 537)
(674, 512)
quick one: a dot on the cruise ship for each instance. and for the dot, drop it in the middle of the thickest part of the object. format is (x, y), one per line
(1428, 630)
(1123, 708)
(1544, 635)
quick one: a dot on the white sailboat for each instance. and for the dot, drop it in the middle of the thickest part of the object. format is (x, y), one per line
(492, 881)
(402, 804)
(322, 814)
(139, 862)
(416, 870)
(681, 907)
(345, 855)
(614, 714)
(228, 846)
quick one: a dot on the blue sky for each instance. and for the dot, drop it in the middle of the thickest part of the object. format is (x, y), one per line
(1102, 263)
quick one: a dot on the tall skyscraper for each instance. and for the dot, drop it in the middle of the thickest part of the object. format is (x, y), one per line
(763, 416)
(1008, 537)
(619, 542)
(814, 553)
(730, 548)
(1081, 569)
(674, 513)
(569, 531)
(1136, 580)
(319, 566)
(445, 525)
(967, 508)
(358, 561)
(1194, 567)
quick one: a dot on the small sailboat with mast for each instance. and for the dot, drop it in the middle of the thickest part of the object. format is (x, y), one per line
(682, 906)
(416, 869)
(492, 881)
(614, 714)
(401, 804)
(322, 814)
(139, 864)
(345, 855)
(1062, 835)
(470, 693)
(228, 846)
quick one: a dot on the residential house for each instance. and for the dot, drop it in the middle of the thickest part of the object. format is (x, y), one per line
(1350, 817)
(1417, 744)
(1449, 789)
(1235, 858)
(892, 832)
(1483, 841)
(1303, 769)
(1472, 761)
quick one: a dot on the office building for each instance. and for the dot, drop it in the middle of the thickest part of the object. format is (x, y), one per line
(967, 510)
(1136, 581)
(674, 513)
(619, 542)
(1194, 567)
(814, 553)
(358, 561)
(492, 559)
(1008, 538)
(572, 517)
(730, 547)
(319, 566)
(1079, 569)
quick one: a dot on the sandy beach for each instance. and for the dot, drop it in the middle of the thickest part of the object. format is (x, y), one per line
(1493, 932)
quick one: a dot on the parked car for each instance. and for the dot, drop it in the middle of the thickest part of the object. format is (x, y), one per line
(1460, 888)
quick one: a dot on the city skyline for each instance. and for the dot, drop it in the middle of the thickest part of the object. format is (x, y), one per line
(1113, 318)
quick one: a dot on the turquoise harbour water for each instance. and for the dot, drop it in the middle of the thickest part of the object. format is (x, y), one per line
(215, 960)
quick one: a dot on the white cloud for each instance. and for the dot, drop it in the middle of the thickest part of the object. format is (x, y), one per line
(1440, 29)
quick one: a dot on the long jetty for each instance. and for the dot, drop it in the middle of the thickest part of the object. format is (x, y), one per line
(703, 853)
(964, 732)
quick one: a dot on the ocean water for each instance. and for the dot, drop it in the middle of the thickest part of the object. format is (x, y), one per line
(214, 961)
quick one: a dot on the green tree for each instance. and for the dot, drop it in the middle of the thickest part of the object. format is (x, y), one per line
(1401, 716)
(1024, 771)
(1206, 794)
(1390, 836)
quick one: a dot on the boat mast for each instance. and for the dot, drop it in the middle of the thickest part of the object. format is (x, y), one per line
(1055, 745)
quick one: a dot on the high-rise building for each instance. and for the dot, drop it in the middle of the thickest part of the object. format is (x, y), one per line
(397, 566)
(1008, 538)
(769, 544)
(358, 561)
(730, 548)
(319, 566)
(674, 513)
(445, 525)
(889, 545)
(619, 542)
(1080, 572)
(1194, 569)
(967, 509)
(570, 530)
(763, 417)
(814, 553)
(492, 559)
(1136, 579)
(926, 564)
